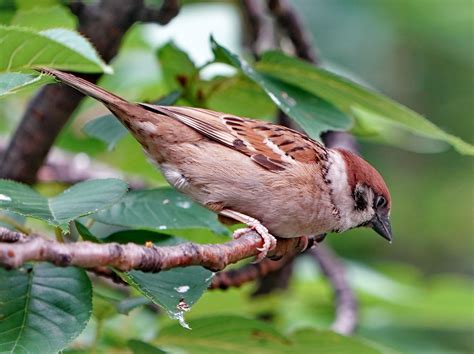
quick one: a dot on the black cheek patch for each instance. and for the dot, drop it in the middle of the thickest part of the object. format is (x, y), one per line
(360, 200)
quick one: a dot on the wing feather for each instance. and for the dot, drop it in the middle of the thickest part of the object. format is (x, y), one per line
(271, 146)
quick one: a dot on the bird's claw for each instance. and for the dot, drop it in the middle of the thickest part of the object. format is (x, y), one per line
(269, 241)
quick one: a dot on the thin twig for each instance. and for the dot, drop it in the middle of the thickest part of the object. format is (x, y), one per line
(247, 273)
(260, 27)
(289, 20)
(346, 309)
(132, 256)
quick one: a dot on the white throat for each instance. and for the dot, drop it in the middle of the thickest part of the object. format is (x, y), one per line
(341, 194)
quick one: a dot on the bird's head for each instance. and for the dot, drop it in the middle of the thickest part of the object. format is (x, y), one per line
(368, 203)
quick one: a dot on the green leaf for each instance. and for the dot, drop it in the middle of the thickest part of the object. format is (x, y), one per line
(64, 49)
(108, 128)
(7, 11)
(44, 17)
(352, 98)
(8, 218)
(161, 209)
(14, 82)
(234, 334)
(43, 308)
(329, 342)
(225, 334)
(139, 347)
(176, 290)
(312, 113)
(233, 94)
(178, 69)
(28, 4)
(81, 199)
(125, 306)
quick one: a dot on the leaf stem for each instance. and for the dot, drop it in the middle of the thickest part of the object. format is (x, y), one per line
(59, 234)
(10, 221)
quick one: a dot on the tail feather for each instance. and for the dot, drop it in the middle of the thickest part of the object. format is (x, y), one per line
(84, 86)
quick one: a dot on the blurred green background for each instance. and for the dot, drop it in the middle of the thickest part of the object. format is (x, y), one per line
(421, 54)
(417, 294)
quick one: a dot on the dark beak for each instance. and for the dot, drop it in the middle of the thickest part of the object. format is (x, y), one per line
(381, 225)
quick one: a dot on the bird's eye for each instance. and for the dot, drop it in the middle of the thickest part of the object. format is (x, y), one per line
(380, 202)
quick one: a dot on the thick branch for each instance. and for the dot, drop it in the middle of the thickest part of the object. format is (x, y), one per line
(346, 309)
(104, 23)
(168, 10)
(132, 256)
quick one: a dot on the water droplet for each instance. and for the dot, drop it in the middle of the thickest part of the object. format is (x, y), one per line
(181, 308)
(5, 198)
(185, 204)
(179, 315)
(182, 289)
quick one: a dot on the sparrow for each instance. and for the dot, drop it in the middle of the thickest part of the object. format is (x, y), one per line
(277, 181)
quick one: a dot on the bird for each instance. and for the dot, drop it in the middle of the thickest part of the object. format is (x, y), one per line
(277, 181)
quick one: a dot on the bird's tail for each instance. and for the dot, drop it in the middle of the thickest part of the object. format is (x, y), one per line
(84, 86)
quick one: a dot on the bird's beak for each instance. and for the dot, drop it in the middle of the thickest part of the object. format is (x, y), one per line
(381, 225)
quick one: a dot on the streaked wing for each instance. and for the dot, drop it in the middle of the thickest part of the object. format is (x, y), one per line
(269, 145)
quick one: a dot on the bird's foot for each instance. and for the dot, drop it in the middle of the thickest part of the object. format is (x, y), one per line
(305, 242)
(269, 241)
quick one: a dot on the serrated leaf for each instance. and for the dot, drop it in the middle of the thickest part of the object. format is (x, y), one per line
(64, 49)
(349, 96)
(314, 114)
(108, 128)
(175, 290)
(162, 209)
(44, 17)
(42, 308)
(14, 82)
(81, 199)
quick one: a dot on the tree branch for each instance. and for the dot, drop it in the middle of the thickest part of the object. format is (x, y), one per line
(261, 36)
(125, 257)
(168, 10)
(9, 236)
(104, 23)
(248, 273)
(289, 20)
(346, 309)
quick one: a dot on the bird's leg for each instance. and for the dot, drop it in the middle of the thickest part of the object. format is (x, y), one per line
(269, 241)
